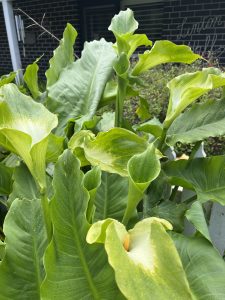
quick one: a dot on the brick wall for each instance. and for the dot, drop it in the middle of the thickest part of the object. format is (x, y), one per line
(5, 59)
(201, 24)
(56, 17)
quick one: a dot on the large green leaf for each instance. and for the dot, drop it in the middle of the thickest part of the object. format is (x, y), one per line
(63, 55)
(5, 179)
(196, 216)
(110, 150)
(31, 79)
(79, 88)
(204, 267)
(75, 270)
(164, 52)
(123, 26)
(21, 270)
(186, 88)
(111, 198)
(145, 260)
(123, 23)
(201, 121)
(24, 129)
(205, 175)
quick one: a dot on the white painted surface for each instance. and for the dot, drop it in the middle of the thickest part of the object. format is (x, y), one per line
(12, 37)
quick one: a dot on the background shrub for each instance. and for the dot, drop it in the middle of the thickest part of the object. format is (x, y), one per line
(156, 93)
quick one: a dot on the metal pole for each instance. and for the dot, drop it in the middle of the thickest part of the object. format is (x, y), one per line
(12, 38)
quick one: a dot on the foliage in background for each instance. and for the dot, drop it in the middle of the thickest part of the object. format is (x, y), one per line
(156, 93)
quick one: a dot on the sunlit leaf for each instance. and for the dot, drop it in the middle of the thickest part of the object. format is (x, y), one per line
(55, 147)
(186, 88)
(144, 259)
(164, 52)
(110, 150)
(143, 110)
(31, 79)
(24, 129)
(123, 23)
(4, 79)
(78, 90)
(63, 55)
(153, 126)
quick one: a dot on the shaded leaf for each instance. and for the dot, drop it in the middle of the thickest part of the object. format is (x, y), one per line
(111, 198)
(172, 212)
(24, 186)
(203, 120)
(196, 216)
(204, 267)
(21, 270)
(2, 250)
(5, 179)
(74, 268)
(205, 175)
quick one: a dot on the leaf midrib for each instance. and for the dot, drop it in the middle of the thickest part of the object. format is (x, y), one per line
(83, 261)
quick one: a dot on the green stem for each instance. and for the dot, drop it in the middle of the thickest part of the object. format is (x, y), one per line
(128, 213)
(46, 213)
(134, 197)
(162, 139)
(120, 97)
(91, 207)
